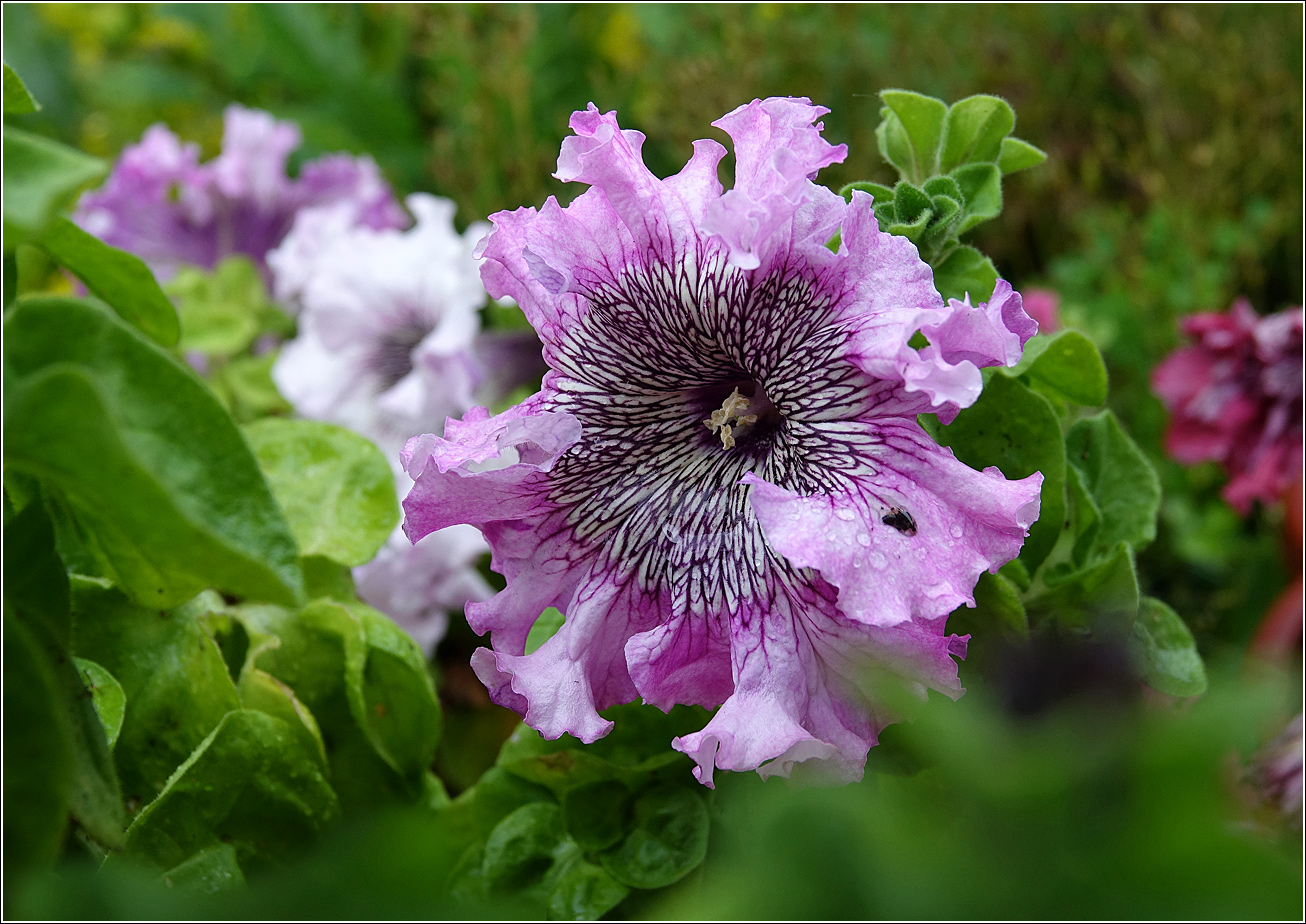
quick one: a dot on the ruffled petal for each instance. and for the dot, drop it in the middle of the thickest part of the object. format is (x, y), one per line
(447, 487)
(807, 687)
(683, 659)
(778, 149)
(560, 687)
(910, 539)
(255, 149)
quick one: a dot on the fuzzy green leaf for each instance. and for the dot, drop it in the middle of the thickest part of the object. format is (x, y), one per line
(1019, 155)
(981, 186)
(921, 119)
(973, 131)
(38, 754)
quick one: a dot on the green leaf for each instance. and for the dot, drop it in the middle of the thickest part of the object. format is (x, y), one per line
(251, 784)
(261, 691)
(544, 628)
(221, 310)
(17, 101)
(326, 578)
(578, 890)
(400, 712)
(973, 131)
(920, 119)
(519, 850)
(336, 488)
(1169, 654)
(1018, 155)
(1103, 594)
(998, 608)
(173, 676)
(35, 581)
(965, 271)
(881, 194)
(366, 683)
(38, 773)
(668, 839)
(148, 464)
(211, 870)
(1066, 365)
(909, 202)
(1122, 483)
(944, 186)
(40, 177)
(981, 187)
(1015, 428)
(595, 813)
(246, 387)
(120, 278)
(107, 697)
(97, 802)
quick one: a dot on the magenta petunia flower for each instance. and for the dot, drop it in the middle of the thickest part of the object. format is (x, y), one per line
(1235, 397)
(721, 482)
(166, 207)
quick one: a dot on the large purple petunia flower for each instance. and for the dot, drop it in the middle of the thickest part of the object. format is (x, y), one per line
(166, 207)
(721, 481)
(1235, 397)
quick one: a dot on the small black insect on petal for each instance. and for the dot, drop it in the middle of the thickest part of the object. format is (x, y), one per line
(900, 520)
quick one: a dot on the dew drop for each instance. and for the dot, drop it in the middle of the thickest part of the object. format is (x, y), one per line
(956, 531)
(864, 540)
(844, 513)
(879, 561)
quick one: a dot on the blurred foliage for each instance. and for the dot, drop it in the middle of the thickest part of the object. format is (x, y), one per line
(1086, 810)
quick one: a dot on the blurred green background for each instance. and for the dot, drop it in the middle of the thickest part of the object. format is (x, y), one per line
(1173, 184)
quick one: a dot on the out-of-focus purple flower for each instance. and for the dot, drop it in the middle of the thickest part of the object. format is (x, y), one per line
(1044, 306)
(386, 346)
(722, 482)
(388, 321)
(1277, 772)
(1235, 397)
(166, 207)
(419, 585)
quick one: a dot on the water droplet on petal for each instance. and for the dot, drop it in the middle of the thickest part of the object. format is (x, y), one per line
(957, 531)
(864, 540)
(844, 513)
(879, 561)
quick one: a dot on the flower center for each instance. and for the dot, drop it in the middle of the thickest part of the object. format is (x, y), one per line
(392, 355)
(738, 414)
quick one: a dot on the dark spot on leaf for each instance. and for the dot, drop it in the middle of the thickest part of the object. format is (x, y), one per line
(380, 710)
(900, 520)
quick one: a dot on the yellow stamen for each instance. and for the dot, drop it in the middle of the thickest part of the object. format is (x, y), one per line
(722, 418)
